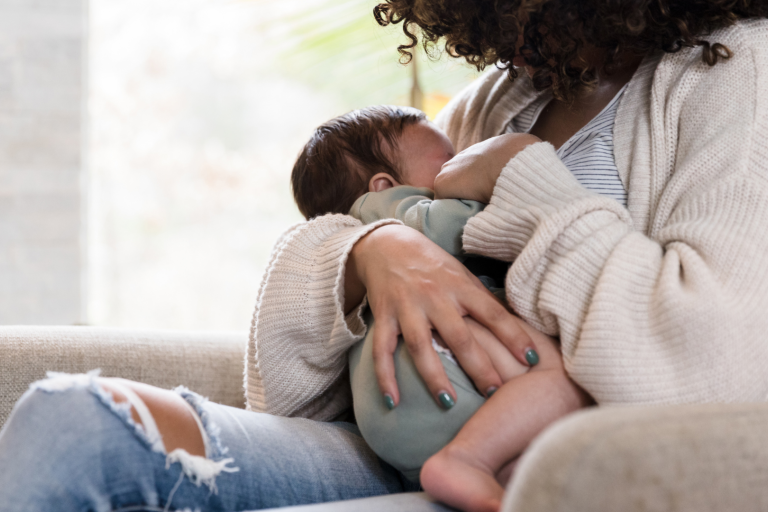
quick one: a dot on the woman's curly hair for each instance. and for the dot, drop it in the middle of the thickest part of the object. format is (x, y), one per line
(557, 32)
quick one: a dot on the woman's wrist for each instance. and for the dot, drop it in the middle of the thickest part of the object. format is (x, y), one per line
(369, 251)
(354, 274)
(354, 289)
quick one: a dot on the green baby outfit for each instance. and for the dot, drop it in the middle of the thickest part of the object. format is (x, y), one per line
(441, 220)
(417, 428)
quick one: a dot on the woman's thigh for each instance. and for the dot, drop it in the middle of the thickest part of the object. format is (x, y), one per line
(68, 446)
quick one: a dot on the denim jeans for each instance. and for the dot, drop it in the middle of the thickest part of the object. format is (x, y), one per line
(72, 448)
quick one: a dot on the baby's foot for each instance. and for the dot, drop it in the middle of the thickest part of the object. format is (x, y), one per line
(457, 479)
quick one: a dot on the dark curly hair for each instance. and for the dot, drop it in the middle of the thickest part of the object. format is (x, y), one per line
(557, 32)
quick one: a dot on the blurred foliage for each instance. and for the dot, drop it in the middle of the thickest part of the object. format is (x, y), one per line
(337, 46)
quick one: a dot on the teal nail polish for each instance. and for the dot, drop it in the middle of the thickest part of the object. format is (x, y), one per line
(389, 402)
(532, 357)
(446, 400)
(491, 391)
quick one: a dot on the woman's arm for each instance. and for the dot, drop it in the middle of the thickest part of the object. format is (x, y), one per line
(309, 304)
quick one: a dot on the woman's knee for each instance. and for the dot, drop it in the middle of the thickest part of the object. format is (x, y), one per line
(73, 432)
(48, 407)
(58, 431)
(163, 420)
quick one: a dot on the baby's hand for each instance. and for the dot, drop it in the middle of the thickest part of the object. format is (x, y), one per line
(472, 174)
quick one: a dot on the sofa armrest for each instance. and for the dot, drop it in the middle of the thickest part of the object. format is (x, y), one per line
(694, 458)
(210, 363)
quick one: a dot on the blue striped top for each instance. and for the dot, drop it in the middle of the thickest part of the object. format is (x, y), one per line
(589, 153)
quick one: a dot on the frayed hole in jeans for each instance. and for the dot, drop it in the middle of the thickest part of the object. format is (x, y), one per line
(214, 449)
(199, 470)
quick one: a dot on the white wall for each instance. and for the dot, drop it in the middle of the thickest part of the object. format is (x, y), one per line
(41, 161)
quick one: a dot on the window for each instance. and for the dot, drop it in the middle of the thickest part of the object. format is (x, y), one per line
(198, 109)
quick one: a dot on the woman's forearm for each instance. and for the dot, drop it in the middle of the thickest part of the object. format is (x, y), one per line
(666, 316)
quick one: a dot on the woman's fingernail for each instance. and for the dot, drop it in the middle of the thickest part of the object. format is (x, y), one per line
(446, 400)
(389, 402)
(491, 391)
(532, 357)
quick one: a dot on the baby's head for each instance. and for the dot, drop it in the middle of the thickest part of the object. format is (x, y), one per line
(367, 150)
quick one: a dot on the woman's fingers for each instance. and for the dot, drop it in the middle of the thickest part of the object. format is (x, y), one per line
(473, 357)
(384, 344)
(414, 286)
(505, 326)
(417, 335)
(501, 358)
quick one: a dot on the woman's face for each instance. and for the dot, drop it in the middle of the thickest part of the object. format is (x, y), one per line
(519, 61)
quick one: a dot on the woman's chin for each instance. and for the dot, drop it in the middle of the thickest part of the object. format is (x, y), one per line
(519, 62)
(529, 70)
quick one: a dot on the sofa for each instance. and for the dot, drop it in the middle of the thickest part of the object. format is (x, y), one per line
(693, 458)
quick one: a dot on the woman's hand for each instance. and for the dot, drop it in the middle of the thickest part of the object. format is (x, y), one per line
(472, 174)
(414, 286)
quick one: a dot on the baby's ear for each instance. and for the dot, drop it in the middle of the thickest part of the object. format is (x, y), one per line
(381, 181)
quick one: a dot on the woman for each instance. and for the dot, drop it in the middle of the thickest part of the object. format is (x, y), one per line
(643, 298)
(661, 301)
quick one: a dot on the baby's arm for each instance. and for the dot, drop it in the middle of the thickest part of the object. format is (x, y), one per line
(440, 220)
(466, 472)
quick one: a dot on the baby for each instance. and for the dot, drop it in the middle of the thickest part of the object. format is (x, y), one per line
(381, 162)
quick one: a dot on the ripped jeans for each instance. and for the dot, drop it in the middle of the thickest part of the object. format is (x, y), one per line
(68, 446)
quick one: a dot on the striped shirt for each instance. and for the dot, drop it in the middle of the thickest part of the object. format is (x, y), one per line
(589, 153)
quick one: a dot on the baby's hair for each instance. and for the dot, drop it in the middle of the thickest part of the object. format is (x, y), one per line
(343, 154)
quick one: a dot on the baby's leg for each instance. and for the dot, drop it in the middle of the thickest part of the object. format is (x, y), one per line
(464, 473)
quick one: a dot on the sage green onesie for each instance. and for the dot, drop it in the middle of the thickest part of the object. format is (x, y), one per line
(417, 428)
(441, 220)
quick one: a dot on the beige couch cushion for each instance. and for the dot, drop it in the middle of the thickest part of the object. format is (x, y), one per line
(210, 363)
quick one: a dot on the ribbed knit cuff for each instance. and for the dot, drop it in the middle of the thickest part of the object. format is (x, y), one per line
(535, 184)
(353, 325)
(300, 334)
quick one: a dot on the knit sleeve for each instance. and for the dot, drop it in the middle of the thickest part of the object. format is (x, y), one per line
(296, 355)
(674, 314)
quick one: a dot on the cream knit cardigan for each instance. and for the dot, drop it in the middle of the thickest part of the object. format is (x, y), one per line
(665, 301)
